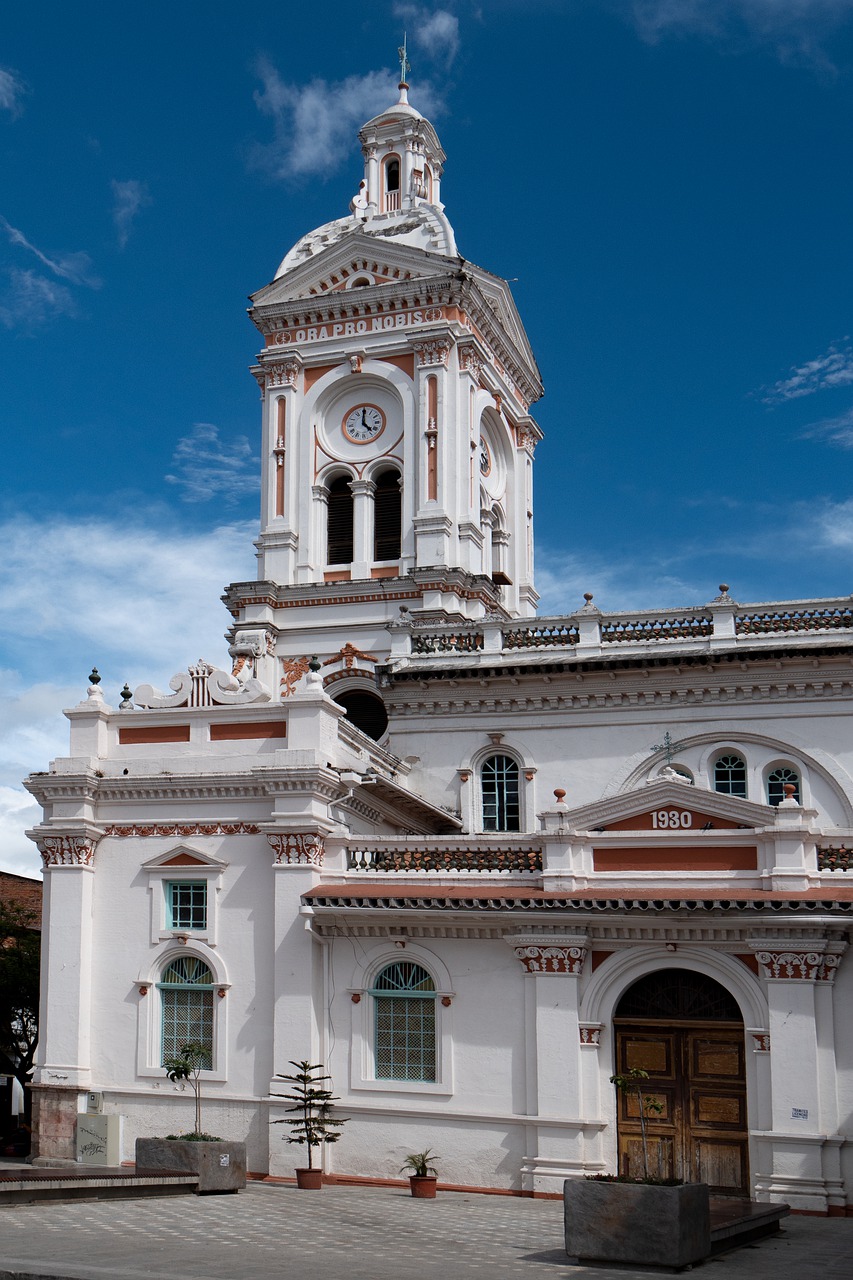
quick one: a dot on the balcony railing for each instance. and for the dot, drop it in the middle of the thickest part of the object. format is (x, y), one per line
(380, 856)
(589, 632)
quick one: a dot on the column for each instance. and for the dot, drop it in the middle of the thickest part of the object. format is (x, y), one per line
(362, 527)
(63, 1059)
(553, 965)
(803, 1137)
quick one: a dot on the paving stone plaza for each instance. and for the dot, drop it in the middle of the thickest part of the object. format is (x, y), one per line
(358, 1233)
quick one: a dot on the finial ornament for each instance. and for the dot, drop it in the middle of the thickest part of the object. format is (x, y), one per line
(405, 65)
(94, 678)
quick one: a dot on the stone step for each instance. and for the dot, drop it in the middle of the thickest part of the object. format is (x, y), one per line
(88, 1182)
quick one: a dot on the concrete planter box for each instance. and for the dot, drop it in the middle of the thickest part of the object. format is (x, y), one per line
(632, 1222)
(221, 1166)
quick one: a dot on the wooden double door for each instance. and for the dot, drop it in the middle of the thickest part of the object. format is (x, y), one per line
(697, 1075)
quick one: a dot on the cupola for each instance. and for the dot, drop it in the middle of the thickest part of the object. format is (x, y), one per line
(403, 160)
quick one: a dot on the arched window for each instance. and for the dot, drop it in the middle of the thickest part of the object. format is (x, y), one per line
(387, 516)
(730, 776)
(365, 710)
(186, 1002)
(777, 780)
(404, 1029)
(392, 184)
(500, 792)
(339, 540)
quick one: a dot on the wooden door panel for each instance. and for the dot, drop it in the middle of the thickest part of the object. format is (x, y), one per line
(698, 1076)
(721, 1164)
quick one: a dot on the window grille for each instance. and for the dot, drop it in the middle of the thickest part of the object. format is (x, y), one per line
(777, 780)
(404, 1011)
(387, 516)
(340, 522)
(679, 995)
(730, 776)
(186, 902)
(186, 998)
(500, 789)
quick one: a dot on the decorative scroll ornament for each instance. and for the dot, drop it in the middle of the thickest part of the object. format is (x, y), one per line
(347, 655)
(123, 830)
(527, 438)
(551, 959)
(292, 671)
(202, 685)
(293, 847)
(433, 352)
(801, 966)
(67, 851)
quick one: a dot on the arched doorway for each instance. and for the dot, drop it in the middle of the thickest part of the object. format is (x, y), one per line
(686, 1031)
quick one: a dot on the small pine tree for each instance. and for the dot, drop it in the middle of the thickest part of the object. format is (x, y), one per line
(312, 1124)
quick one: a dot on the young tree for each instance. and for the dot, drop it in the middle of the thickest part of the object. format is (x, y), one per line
(632, 1082)
(20, 948)
(312, 1103)
(188, 1064)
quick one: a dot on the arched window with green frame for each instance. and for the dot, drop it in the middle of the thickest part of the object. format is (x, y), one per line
(404, 997)
(186, 1007)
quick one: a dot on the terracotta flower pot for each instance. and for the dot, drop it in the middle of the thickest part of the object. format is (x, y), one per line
(309, 1179)
(423, 1188)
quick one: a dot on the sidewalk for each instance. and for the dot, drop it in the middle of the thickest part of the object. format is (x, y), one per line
(349, 1233)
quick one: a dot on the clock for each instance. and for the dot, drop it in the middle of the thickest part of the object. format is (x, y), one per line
(485, 458)
(364, 423)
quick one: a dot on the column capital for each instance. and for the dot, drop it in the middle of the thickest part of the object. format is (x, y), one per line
(800, 965)
(550, 954)
(68, 849)
(292, 848)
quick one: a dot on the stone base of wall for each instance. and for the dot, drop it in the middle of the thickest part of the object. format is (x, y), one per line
(54, 1122)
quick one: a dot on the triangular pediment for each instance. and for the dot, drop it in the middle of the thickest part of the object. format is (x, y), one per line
(184, 857)
(332, 269)
(688, 809)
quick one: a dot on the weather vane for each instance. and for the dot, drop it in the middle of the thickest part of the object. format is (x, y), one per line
(668, 746)
(405, 65)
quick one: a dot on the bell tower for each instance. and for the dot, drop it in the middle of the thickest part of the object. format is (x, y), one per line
(396, 382)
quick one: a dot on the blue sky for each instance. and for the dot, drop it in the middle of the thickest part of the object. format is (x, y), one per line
(667, 182)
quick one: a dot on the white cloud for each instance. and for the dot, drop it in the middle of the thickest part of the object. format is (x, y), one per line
(435, 31)
(315, 124)
(562, 580)
(835, 525)
(128, 198)
(32, 300)
(796, 30)
(832, 369)
(12, 90)
(137, 601)
(75, 267)
(207, 467)
(837, 431)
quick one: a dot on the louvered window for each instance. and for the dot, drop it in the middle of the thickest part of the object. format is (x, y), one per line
(186, 998)
(404, 1030)
(730, 776)
(500, 789)
(387, 516)
(340, 522)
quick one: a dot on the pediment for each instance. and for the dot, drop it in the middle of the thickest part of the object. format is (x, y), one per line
(183, 857)
(498, 298)
(329, 267)
(696, 809)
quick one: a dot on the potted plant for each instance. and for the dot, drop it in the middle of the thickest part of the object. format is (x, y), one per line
(220, 1165)
(647, 1221)
(312, 1123)
(422, 1174)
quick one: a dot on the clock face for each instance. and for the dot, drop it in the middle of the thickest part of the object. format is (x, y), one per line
(364, 423)
(485, 458)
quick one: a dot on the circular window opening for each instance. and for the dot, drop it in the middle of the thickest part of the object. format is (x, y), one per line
(366, 711)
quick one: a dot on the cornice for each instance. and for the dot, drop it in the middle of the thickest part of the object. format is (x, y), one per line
(259, 784)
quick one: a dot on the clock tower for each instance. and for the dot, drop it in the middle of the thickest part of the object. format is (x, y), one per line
(396, 382)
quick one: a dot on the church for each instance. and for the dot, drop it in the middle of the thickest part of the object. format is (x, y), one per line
(473, 860)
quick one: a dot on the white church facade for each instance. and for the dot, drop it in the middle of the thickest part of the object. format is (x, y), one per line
(473, 860)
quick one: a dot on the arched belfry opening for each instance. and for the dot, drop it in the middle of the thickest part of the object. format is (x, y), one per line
(686, 1031)
(365, 710)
